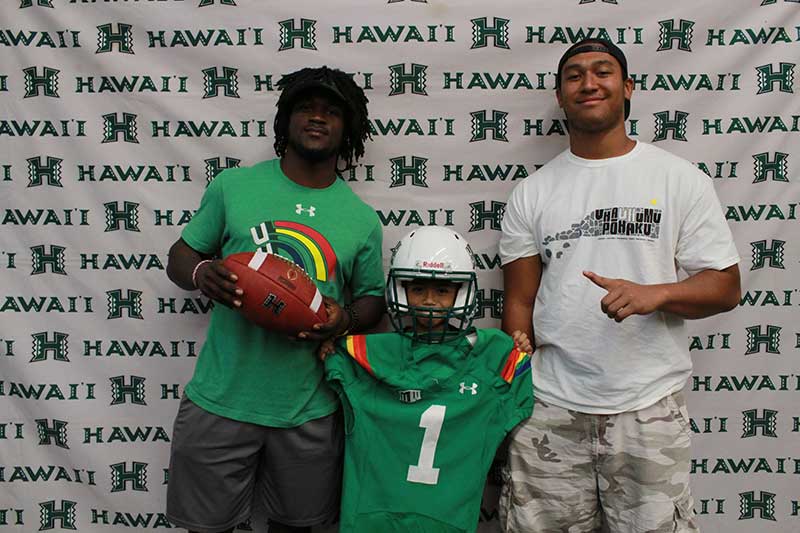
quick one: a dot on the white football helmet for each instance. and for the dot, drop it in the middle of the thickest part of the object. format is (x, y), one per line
(432, 252)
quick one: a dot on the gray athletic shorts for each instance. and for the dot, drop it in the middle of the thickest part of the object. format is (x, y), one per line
(218, 466)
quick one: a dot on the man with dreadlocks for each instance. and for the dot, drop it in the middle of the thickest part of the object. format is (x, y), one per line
(258, 419)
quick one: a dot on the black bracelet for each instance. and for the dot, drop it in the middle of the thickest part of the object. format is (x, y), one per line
(353, 314)
(346, 331)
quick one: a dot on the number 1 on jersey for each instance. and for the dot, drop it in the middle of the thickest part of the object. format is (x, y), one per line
(424, 472)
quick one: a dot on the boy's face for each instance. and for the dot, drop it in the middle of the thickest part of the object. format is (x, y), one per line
(431, 294)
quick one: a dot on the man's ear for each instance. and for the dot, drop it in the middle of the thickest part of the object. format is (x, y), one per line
(628, 88)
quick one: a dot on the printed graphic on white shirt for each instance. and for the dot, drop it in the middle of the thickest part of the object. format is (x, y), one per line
(609, 223)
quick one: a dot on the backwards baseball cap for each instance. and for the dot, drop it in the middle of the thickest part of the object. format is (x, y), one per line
(320, 78)
(596, 45)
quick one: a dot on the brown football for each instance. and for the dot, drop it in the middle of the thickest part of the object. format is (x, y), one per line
(278, 294)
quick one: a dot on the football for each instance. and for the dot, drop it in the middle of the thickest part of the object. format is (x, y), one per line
(278, 294)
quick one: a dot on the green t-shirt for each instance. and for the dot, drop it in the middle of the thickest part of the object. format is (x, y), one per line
(247, 373)
(423, 423)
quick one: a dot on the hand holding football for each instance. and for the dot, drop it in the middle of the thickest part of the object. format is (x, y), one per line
(278, 294)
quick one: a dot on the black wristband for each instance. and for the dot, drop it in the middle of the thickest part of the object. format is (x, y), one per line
(352, 326)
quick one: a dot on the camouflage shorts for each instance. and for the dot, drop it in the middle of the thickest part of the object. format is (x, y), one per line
(574, 472)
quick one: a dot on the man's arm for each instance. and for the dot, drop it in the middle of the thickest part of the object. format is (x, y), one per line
(181, 262)
(702, 295)
(213, 280)
(521, 279)
(365, 311)
(363, 314)
(369, 310)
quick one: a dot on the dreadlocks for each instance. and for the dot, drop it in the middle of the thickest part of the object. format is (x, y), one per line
(356, 125)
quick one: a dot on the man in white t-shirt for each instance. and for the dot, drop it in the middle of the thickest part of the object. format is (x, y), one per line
(595, 239)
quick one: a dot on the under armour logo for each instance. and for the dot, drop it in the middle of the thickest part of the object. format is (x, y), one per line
(472, 388)
(311, 210)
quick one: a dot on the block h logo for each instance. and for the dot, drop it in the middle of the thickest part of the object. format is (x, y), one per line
(112, 128)
(228, 81)
(122, 38)
(777, 168)
(676, 126)
(756, 338)
(498, 125)
(767, 78)
(132, 303)
(417, 171)
(57, 346)
(127, 217)
(399, 79)
(276, 304)
(41, 260)
(41, 3)
(45, 83)
(494, 304)
(205, 3)
(748, 505)
(479, 215)
(65, 515)
(481, 31)
(669, 35)
(306, 34)
(214, 166)
(763, 255)
(136, 477)
(752, 422)
(40, 172)
(120, 391)
(55, 435)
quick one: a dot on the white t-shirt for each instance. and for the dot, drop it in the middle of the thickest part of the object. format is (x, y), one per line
(639, 217)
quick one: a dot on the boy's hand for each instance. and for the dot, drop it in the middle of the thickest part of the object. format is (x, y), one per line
(325, 349)
(522, 342)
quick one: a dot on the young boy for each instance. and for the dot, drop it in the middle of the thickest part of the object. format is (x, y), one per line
(427, 406)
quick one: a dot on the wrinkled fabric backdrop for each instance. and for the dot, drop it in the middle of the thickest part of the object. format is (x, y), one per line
(114, 116)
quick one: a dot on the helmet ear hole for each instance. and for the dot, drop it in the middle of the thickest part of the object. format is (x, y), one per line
(432, 253)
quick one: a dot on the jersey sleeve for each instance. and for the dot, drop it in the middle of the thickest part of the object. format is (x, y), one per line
(518, 239)
(346, 369)
(516, 372)
(355, 346)
(204, 231)
(368, 278)
(704, 239)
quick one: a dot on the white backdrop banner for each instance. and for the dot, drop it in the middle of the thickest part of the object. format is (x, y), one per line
(115, 115)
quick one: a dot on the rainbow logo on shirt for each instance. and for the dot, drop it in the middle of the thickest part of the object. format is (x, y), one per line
(304, 245)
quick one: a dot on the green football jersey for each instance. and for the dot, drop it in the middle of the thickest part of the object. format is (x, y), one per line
(423, 423)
